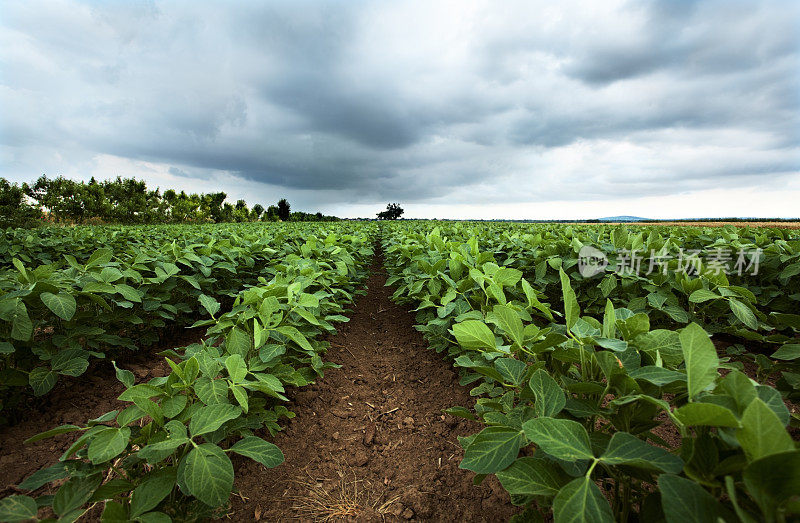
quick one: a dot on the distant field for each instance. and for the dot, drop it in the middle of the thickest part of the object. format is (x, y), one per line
(781, 225)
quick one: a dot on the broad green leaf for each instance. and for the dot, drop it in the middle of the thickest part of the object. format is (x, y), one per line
(75, 493)
(561, 438)
(155, 487)
(211, 417)
(211, 392)
(125, 376)
(550, 398)
(21, 324)
(706, 415)
(625, 449)
(474, 334)
(492, 450)
(789, 351)
(108, 444)
(701, 359)
(580, 501)
(531, 477)
(512, 370)
(657, 375)
(208, 474)
(703, 295)
(44, 476)
(572, 310)
(296, 336)
(684, 501)
(510, 322)
(209, 304)
(774, 479)
(743, 312)
(238, 342)
(762, 433)
(237, 368)
(253, 447)
(18, 508)
(62, 304)
(42, 380)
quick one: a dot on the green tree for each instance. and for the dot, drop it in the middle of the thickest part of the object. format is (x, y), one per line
(284, 210)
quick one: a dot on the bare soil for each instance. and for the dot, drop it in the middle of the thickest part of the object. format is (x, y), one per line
(370, 440)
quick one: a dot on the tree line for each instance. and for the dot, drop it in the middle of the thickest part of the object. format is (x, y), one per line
(127, 201)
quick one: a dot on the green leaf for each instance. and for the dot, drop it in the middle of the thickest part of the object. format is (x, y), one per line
(509, 321)
(108, 444)
(155, 487)
(209, 304)
(211, 392)
(531, 477)
(657, 375)
(743, 312)
(18, 508)
(62, 429)
(6, 347)
(703, 295)
(211, 417)
(114, 512)
(42, 380)
(762, 433)
(789, 351)
(238, 342)
(44, 476)
(492, 450)
(706, 415)
(561, 438)
(128, 292)
(684, 501)
(625, 449)
(512, 370)
(701, 359)
(474, 335)
(296, 336)
(572, 310)
(208, 474)
(62, 304)
(237, 368)
(609, 321)
(266, 453)
(550, 398)
(21, 324)
(580, 501)
(74, 493)
(774, 479)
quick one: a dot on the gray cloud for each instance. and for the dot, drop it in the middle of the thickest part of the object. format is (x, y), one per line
(357, 103)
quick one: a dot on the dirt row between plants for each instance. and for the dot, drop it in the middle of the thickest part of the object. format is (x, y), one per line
(370, 439)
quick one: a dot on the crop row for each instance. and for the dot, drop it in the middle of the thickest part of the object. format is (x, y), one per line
(166, 455)
(584, 387)
(57, 316)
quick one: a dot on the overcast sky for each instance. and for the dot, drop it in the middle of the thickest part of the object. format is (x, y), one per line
(454, 109)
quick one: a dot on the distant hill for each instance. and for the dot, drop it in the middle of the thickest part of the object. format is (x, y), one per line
(623, 219)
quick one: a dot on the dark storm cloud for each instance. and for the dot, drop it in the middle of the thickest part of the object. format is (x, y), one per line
(362, 102)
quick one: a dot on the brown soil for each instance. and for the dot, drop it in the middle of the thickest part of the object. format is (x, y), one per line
(370, 440)
(74, 401)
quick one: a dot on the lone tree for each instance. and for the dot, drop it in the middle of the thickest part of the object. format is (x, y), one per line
(284, 210)
(392, 212)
